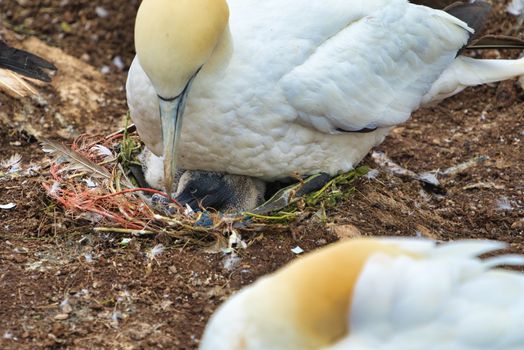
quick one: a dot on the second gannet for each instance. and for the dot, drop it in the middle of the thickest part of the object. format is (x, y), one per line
(275, 88)
(380, 294)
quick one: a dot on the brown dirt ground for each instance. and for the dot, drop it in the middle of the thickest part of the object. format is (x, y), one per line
(118, 298)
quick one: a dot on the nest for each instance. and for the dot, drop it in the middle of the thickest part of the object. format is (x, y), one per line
(90, 179)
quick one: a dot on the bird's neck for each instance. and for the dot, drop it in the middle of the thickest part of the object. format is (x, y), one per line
(221, 56)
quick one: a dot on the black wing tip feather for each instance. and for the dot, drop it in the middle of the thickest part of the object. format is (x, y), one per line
(474, 14)
(25, 63)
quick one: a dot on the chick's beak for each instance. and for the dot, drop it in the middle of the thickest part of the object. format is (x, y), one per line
(171, 115)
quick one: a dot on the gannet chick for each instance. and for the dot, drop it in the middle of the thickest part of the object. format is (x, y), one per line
(379, 294)
(150, 164)
(204, 189)
(222, 192)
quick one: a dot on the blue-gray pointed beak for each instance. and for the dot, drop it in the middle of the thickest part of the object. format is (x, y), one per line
(171, 115)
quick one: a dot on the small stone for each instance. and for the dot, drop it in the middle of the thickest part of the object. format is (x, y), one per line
(321, 241)
(119, 63)
(346, 231)
(518, 225)
(101, 12)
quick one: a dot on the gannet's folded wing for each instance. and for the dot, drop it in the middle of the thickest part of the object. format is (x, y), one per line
(375, 71)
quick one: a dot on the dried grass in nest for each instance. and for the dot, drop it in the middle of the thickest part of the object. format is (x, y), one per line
(87, 180)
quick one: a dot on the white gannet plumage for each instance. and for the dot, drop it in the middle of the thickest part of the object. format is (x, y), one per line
(516, 8)
(380, 294)
(287, 79)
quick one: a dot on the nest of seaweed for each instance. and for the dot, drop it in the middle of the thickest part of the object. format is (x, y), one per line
(90, 179)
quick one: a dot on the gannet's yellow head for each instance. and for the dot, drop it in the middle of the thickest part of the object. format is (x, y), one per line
(175, 38)
(305, 305)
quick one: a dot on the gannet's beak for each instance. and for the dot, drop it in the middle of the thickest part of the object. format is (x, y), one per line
(171, 115)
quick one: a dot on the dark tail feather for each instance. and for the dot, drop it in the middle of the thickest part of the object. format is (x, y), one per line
(496, 42)
(24, 63)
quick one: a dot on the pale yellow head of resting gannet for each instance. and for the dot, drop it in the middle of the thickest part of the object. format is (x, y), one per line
(173, 40)
(307, 302)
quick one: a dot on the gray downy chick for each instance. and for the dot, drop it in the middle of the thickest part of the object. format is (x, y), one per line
(222, 192)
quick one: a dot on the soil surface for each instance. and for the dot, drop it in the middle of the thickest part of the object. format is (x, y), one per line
(65, 286)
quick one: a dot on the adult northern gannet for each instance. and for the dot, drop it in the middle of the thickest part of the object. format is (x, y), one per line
(275, 88)
(380, 294)
(21, 63)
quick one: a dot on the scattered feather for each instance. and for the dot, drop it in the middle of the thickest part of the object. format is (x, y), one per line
(188, 210)
(12, 162)
(90, 183)
(486, 185)
(430, 178)
(14, 169)
(116, 316)
(7, 206)
(119, 63)
(65, 306)
(94, 218)
(33, 169)
(21, 250)
(463, 166)
(101, 12)
(53, 190)
(102, 150)
(125, 241)
(231, 261)
(504, 204)
(297, 250)
(88, 257)
(372, 174)
(384, 161)
(77, 160)
(156, 251)
(235, 241)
